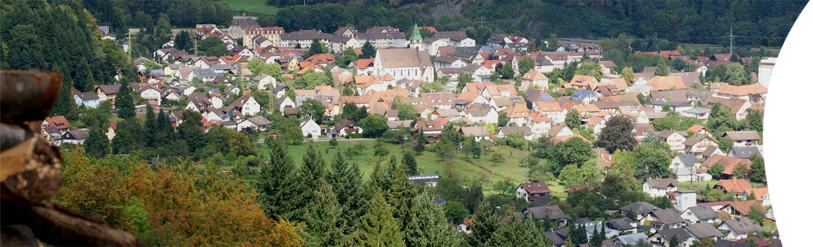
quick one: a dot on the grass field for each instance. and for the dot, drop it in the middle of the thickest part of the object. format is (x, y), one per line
(430, 163)
(252, 6)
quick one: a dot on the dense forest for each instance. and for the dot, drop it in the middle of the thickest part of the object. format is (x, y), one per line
(685, 21)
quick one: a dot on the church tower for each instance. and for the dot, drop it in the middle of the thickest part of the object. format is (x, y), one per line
(415, 40)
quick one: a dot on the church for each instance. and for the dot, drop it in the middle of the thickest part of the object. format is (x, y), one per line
(413, 63)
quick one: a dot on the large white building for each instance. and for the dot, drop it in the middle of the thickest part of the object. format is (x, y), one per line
(766, 70)
(404, 63)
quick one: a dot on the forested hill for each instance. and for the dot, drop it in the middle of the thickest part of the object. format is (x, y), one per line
(755, 22)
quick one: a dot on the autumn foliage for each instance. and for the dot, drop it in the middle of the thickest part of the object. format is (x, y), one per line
(183, 205)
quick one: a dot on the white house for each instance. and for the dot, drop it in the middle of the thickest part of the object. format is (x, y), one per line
(483, 115)
(88, 99)
(660, 187)
(427, 180)
(265, 82)
(345, 127)
(151, 95)
(739, 228)
(766, 66)
(531, 191)
(246, 105)
(310, 127)
(700, 214)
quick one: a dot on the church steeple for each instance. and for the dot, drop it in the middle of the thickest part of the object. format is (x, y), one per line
(415, 40)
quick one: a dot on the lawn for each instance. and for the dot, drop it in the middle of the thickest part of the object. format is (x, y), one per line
(769, 226)
(252, 6)
(430, 163)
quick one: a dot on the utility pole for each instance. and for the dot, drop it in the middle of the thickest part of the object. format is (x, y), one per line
(130, 46)
(196, 47)
(731, 42)
(481, 21)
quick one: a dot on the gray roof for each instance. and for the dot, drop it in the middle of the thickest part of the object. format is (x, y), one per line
(639, 207)
(88, 95)
(703, 230)
(662, 183)
(399, 124)
(525, 130)
(704, 212)
(709, 150)
(677, 95)
(424, 179)
(553, 212)
(668, 216)
(743, 225)
(744, 152)
(681, 233)
(688, 159)
(259, 121)
(699, 110)
(621, 223)
(246, 22)
(558, 237)
(742, 135)
(542, 201)
(205, 73)
(631, 239)
(474, 131)
(726, 243)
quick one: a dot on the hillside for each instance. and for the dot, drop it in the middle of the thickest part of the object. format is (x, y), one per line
(688, 21)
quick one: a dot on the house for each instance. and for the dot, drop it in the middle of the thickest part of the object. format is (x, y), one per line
(738, 106)
(478, 133)
(539, 123)
(265, 82)
(583, 96)
(309, 127)
(482, 113)
(629, 240)
(465, 226)
(345, 127)
(664, 83)
(553, 110)
(524, 130)
(665, 219)
(533, 190)
(726, 243)
(412, 64)
(762, 195)
(739, 228)
(246, 105)
(728, 162)
(674, 139)
(743, 138)
(560, 130)
(59, 122)
(87, 99)
(700, 214)
(741, 209)
(663, 237)
(699, 113)
(740, 187)
(258, 122)
(151, 95)
(699, 143)
(76, 136)
(755, 93)
(108, 92)
(204, 74)
(660, 187)
(241, 23)
(640, 209)
(430, 128)
(552, 213)
(427, 180)
(744, 152)
(621, 225)
(518, 114)
(704, 230)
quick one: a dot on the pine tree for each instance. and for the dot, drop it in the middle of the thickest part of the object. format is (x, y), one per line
(279, 190)
(379, 228)
(401, 193)
(313, 173)
(329, 78)
(124, 101)
(97, 145)
(151, 125)
(595, 239)
(324, 219)
(123, 142)
(569, 242)
(421, 138)
(486, 223)
(428, 226)
(367, 50)
(674, 241)
(163, 130)
(345, 179)
(409, 161)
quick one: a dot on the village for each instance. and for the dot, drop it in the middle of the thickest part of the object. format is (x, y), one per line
(489, 92)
